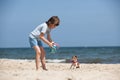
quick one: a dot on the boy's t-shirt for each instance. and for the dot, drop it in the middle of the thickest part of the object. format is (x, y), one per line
(42, 28)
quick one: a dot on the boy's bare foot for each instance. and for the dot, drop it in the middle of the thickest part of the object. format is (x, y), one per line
(45, 69)
(77, 67)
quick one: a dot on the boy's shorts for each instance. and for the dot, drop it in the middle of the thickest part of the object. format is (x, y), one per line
(35, 42)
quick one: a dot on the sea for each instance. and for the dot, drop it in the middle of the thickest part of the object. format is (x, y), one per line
(108, 55)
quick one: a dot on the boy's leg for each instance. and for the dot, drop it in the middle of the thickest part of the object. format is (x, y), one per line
(38, 53)
(78, 65)
(71, 65)
(42, 57)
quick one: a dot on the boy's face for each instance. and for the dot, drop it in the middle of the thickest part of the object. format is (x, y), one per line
(73, 57)
(52, 26)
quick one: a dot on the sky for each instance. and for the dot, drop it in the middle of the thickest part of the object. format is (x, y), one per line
(83, 23)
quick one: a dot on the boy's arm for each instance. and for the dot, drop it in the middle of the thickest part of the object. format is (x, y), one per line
(45, 40)
(49, 37)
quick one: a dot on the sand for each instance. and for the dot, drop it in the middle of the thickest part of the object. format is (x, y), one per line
(25, 70)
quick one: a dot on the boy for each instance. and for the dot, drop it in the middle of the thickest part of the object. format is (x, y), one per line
(38, 35)
(75, 62)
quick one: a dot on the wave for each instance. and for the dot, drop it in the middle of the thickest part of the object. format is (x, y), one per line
(55, 60)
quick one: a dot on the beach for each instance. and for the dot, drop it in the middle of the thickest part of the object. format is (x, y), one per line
(11, 69)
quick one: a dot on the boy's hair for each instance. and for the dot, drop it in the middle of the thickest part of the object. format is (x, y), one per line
(53, 20)
(74, 56)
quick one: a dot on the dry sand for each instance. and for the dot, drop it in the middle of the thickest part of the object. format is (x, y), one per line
(25, 70)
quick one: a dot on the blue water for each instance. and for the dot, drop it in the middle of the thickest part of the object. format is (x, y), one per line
(64, 54)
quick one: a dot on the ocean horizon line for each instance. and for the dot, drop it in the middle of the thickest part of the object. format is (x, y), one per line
(69, 47)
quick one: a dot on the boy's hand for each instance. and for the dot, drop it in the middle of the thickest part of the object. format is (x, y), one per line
(51, 44)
